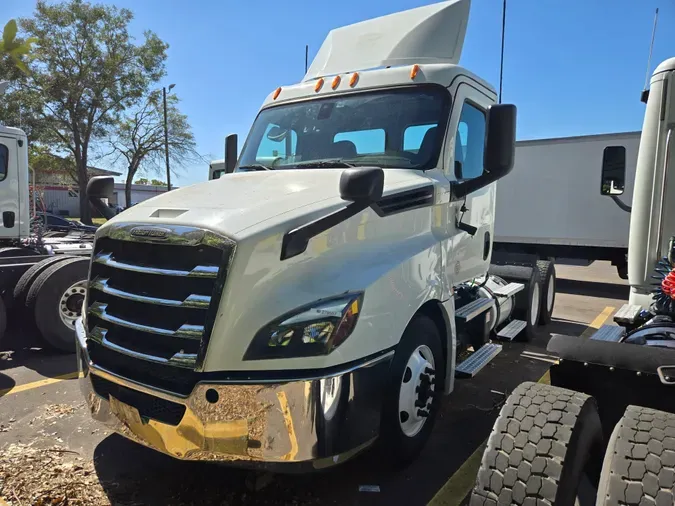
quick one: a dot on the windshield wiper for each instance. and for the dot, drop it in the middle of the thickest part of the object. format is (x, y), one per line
(256, 166)
(318, 164)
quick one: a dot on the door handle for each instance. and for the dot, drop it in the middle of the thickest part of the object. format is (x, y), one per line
(8, 219)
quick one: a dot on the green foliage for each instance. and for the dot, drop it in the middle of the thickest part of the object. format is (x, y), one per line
(142, 180)
(15, 49)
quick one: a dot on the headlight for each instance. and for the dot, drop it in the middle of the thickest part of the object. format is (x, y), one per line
(313, 330)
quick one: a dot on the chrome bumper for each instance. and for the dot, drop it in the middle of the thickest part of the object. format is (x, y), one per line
(318, 422)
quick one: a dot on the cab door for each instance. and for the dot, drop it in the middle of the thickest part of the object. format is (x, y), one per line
(9, 188)
(470, 257)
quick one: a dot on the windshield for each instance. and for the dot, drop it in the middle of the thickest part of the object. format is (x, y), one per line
(392, 128)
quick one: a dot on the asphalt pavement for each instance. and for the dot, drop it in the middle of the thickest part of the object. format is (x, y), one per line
(41, 409)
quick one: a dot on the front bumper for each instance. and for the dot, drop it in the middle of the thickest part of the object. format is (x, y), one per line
(312, 422)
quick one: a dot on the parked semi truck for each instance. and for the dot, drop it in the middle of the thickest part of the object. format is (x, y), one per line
(42, 277)
(603, 431)
(318, 296)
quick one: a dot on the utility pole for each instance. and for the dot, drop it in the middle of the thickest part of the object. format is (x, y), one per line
(501, 59)
(166, 140)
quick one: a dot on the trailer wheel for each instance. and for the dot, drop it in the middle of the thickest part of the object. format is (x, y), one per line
(56, 297)
(547, 275)
(28, 277)
(411, 399)
(13, 251)
(545, 448)
(639, 466)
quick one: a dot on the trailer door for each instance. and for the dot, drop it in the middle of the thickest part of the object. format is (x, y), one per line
(9, 188)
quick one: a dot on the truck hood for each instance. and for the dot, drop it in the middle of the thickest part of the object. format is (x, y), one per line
(239, 201)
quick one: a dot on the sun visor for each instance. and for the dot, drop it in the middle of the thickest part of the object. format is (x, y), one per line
(430, 34)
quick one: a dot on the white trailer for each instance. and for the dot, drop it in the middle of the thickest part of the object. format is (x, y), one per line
(554, 205)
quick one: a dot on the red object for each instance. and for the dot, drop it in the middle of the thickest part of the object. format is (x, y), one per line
(668, 284)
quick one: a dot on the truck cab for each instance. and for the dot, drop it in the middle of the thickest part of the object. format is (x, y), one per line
(327, 279)
(14, 198)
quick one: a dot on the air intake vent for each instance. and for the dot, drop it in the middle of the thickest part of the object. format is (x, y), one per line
(405, 201)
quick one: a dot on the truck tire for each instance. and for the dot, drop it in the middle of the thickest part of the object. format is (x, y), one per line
(411, 399)
(527, 302)
(545, 440)
(639, 466)
(547, 276)
(28, 277)
(55, 299)
(13, 251)
(3, 321)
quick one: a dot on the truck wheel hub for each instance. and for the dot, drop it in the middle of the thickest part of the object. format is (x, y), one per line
(70, 305)
(417, 391)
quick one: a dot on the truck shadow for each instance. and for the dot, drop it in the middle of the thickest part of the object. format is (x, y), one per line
(592, 288)
(132, 474)
(6, 384)
(24, 348)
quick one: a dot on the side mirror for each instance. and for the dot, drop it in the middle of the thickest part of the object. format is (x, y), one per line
(362, 185)
(101, 187)
(230, 153)
(500, 149)
(613, 179)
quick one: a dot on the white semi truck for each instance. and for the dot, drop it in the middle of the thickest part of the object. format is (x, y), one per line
(603, 431)
(318, 296)
(42, 279)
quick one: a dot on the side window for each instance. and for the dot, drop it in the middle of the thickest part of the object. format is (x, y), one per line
(276, 144)
(4, 161)
(363, 142)
(413, 137)
(470, 143)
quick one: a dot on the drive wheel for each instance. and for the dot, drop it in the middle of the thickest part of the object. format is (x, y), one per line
(3, 321)
(639, 466)
(412, 395)
(545, 448)
(547, 276)
(56, 298)
(28, 277)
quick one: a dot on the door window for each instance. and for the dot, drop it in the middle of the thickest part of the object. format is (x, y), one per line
(470, 142)
(4, 161)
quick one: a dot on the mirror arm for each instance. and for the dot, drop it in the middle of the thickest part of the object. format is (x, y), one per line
(461, 190)
(296, 241)
(618, 202)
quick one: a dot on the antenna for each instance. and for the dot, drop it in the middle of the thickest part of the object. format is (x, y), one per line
(645, 92)
(501, 60)
(306, 56)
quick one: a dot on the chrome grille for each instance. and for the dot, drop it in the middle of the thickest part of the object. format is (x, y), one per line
(152, 299)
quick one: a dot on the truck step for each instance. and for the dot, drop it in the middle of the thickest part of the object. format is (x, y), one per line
(479, 359)
(509, 290)
(512, 329)
(469, 311)
(609, 333)
(627, 313)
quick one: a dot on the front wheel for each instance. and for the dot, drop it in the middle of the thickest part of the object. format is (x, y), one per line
(413, 392)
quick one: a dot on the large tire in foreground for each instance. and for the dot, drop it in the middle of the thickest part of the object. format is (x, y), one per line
(546, 270)
(542, 444)
(639, 466)
(56, 299)
(527, 302)
(412, 394)
(28, 277)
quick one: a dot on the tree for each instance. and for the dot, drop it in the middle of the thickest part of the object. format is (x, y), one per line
(158, 182)
(84, 73)
(142, 180)
(139, 139)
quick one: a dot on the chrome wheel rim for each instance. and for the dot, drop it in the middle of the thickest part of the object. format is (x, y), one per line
(417, 390)
(534, 313)
(70, 304)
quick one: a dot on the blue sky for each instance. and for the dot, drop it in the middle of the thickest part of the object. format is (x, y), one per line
(572, 67)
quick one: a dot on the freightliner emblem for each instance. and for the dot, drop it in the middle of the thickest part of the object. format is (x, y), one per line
(154, 232)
